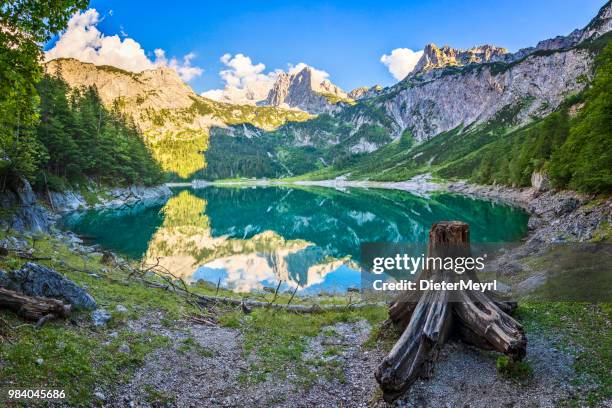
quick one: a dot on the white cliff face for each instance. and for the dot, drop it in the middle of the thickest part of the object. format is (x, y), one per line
(452, 87)
(439, 101)
(302, 91)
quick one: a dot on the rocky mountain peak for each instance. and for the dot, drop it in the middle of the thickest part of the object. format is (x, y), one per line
(303, 90)
(560, 41)
(364, 92)
(601, 24)
(439, 57)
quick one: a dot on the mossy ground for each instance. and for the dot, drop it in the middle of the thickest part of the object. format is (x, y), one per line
(74, 355)
(81, 358)
(279, 339)
(584, 331)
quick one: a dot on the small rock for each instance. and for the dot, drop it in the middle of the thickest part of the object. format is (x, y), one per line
(108, 258)
(100, 395)
(503, 288)
(40, 361)
(535, 222)
(5, 280)
(540, 181)
(124, 348)
(100, 317)
(121, 309)
(566, 206)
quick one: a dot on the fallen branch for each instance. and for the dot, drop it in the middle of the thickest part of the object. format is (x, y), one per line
(209, 321)
(32, 307)
(314, 308)
(208, 301)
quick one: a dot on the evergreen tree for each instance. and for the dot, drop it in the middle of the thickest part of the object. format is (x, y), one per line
(24, 25)
(79, 137)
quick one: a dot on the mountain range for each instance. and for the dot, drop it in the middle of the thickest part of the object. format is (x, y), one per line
(464, 99)
(175, 120)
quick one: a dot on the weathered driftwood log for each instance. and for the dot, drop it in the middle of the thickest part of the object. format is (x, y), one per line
(428, 318)
(206, 301)
(32, 307)
(313, 308)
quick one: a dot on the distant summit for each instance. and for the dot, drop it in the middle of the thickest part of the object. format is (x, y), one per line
(303, 91)
(434, 57)
(364, 92)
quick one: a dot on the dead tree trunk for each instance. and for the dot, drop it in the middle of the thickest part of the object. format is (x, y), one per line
(32, 307)
(427, 318)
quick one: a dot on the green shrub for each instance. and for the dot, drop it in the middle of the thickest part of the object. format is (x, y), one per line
(519, 371)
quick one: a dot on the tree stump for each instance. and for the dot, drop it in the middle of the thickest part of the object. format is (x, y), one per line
(428, 318)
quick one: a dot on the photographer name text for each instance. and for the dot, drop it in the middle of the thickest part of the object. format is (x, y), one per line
(404, 284)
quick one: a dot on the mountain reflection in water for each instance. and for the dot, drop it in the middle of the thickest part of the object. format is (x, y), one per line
(254, 237)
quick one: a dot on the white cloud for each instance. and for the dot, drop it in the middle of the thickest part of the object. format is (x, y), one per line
(185, 70)
(318, 75)
(82, 40)
(247, 83)
(401, 61)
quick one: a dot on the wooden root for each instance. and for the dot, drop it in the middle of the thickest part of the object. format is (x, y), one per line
(416, 349)
(486, 320)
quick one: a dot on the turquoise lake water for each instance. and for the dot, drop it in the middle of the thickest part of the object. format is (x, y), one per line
(251, 237)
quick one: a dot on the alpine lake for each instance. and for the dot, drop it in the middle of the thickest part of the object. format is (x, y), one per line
(249, 238)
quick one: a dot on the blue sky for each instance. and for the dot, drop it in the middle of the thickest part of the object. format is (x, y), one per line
(344, 38)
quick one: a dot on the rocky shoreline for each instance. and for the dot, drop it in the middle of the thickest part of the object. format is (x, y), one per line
(419, 185)
(34, 213)
(555, 216)
(113, 198)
